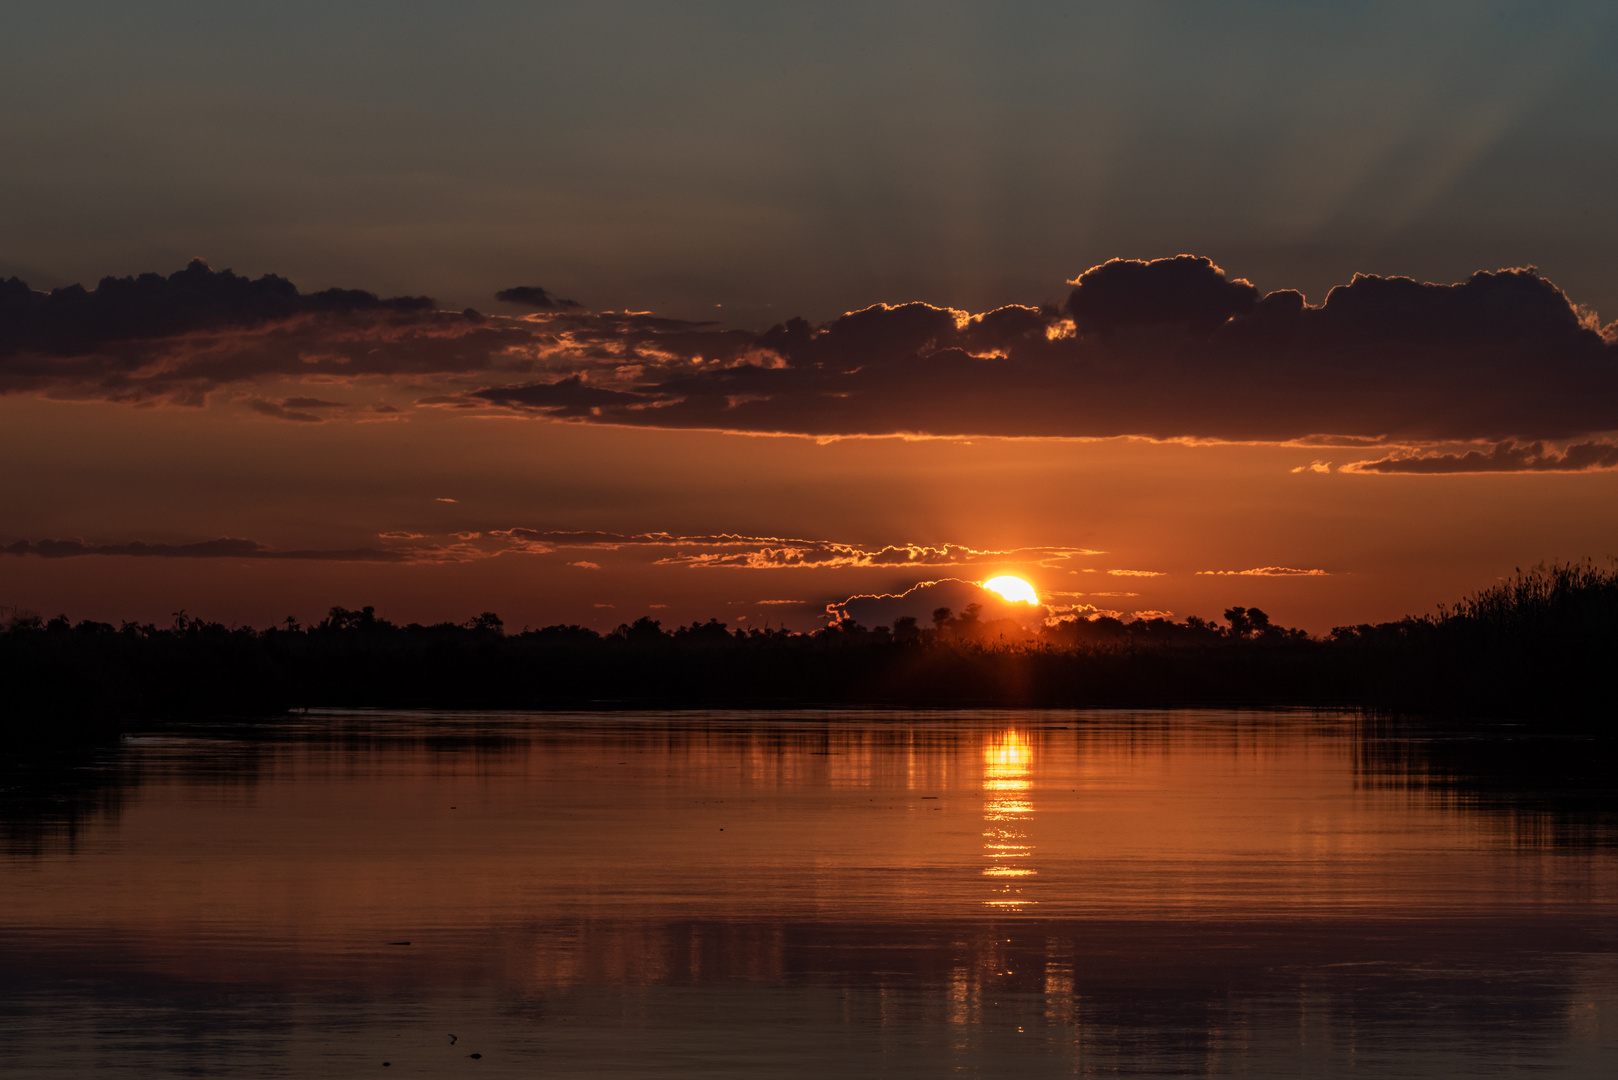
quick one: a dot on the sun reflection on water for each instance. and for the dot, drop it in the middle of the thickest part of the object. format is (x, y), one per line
(1007, 760)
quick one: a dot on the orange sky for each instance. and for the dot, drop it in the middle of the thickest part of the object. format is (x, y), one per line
(1295, 239)
(106, 473)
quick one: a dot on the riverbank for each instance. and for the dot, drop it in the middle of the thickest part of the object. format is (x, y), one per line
(1538, 646)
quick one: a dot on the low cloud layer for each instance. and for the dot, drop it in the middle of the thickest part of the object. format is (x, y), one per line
(1173, 348)
(223, 548)
(730, 550)
(1503, 457)
(718, 550)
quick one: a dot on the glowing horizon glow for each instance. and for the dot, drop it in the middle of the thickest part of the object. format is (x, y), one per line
(1013, 589)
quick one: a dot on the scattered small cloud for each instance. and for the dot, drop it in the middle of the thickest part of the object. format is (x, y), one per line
(442, 499)
(532, 296)
(1152, 613)
(1265, 571)
(1314, 467)
(282, 411)
(1059, 612)
(1070, 609)
(583, 564)
(1136, 573)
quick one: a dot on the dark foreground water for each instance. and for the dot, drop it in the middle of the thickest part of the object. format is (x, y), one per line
(843, 895)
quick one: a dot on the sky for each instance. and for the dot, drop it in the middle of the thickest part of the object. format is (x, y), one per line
(802, 303)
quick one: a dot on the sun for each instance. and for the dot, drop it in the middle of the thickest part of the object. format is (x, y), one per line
(1013, 589)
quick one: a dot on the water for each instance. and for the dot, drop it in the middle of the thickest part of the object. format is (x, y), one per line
(844, 894)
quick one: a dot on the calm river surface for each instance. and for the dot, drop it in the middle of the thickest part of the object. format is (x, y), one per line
(843, 894)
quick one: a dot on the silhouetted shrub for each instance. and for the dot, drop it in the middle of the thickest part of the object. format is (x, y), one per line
(1537, 645)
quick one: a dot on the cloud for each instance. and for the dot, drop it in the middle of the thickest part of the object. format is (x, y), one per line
(312, 410)
(532, 296)
(1504, 457)
(823, 554)
(774, 552)
(1171, 348)
(1265, 571)
(1165, 349)
(223, 548)
(1060, 611)
(283, 411)
(921, 600)
(1346, 441)
(568, 398)
(1063, 612)
(182, 337)
(74, 321)
(1187, 291)
(658, 548)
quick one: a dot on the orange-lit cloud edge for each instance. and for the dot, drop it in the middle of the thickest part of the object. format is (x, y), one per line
(713, 551)
(1500, 373)
(954, 595)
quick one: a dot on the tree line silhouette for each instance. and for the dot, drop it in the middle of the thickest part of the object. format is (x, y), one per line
(1538, 645)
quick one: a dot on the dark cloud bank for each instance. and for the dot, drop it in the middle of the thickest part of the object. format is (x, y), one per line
(1172, 348)
(75, 321)
(198, 331)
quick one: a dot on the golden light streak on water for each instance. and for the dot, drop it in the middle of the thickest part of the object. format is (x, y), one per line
(1007, 766)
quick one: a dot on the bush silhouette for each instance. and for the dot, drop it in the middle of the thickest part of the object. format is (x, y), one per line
(1538, 645)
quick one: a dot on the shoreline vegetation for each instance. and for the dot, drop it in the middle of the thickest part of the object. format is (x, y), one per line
(1539, 646)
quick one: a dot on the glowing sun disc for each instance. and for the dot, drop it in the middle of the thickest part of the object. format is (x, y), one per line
(1013, 589)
